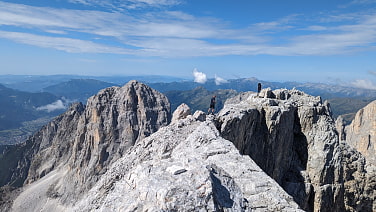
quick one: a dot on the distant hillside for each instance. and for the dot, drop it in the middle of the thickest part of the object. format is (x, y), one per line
(199, 98)
(236, 84)
(18, 106)
(347, 107)
(345, 101)
(78, 89)
(35, 83)
(32, 83)
(22, 112)
(326, 91)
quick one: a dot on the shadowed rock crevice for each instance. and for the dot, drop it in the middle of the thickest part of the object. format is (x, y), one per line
(279, 147)
(295, 181)
(296, 143)
(227, 196)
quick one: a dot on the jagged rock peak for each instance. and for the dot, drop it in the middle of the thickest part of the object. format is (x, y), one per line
(71, 153)
(134, 103)
(361, 133)
(293, 138)
(115, 119)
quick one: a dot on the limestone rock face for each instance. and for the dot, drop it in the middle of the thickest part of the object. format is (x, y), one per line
(361, 133)
(113, 121)
(293, 138)
(78, 146)
(43, 151)
(199, 115)
(181, 112)
(359, 181)
(186, 166)
(52, 145)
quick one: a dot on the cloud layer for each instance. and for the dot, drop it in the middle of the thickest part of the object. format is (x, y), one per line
(200, 77)
(127, 4)
(365, 84)
(171, 33)
(218, 80)
(58, 105)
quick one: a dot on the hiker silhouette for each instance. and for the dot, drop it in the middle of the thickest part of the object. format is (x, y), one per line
(212, 105)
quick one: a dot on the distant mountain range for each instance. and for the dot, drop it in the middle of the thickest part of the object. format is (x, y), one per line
(78, 90)
(24, 112)
(38, 83)
(344, 100)
(18, 106)
(326, 91)
(199, 98)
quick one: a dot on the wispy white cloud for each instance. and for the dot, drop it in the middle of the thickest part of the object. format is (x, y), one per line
(64, 44)
(127, 4)
(178, 34)
(363, 2)
(58, 105)
(372, 73)
(359, 2)
(218, 80)
(316, 28)
(364, 83)
(281, 24)
(200, 77)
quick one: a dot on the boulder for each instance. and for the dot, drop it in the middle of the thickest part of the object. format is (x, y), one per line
(181, 112)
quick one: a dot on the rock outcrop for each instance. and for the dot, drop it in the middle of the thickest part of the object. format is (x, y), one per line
(293, 138)
(43, 151)
(277, 152)
(186, 166)
(114, 120)
(361, 135)
(181, 112)
(78, 146)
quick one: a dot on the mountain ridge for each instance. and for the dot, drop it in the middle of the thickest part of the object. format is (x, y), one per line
(94, 153)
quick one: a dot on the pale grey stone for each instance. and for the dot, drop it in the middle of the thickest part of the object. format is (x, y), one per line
(221, 180)
(117, 153)
(199, 115)
(181, 112)
(293, 138)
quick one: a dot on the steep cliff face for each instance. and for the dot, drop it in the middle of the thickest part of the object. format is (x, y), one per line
(43, 151)
(81, 143)
(113, 121)
(361, 135)
(293, 138)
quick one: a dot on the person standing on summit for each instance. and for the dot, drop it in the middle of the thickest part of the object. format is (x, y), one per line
(258, 89)
(212, 105)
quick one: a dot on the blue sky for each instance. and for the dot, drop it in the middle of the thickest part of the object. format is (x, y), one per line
(291, 40)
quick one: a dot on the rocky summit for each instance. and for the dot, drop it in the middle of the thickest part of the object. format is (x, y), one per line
(280, 150)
